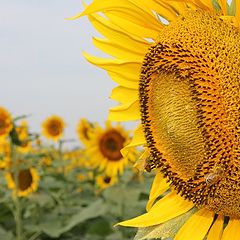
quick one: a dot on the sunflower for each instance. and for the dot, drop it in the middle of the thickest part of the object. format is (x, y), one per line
(22, 131)
(5, 153)
(177, 66)
(27, 181)
(53, 127)
(86, 176)
(105, 146)
(104, 181)
(5, 122)
(83, 129)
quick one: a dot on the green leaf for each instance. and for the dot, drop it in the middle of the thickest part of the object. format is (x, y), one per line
(100, 227)
(231, 10)
(42, 199)
(52, 228)
(216, 5)
(6, 235)
(50, 182)
(121, 194)
(165, 230)
(94, 210)
(55, 227)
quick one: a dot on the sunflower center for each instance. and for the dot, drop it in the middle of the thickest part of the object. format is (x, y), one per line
(24, 143)
(24, 179)
(190, 109)
(3, 125)
(85, 133)
(54, 128)
(107, 180)
(110, 145)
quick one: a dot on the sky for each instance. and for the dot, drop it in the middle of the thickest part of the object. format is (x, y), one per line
(41, 64)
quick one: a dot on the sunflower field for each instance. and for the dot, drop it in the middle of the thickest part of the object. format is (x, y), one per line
(52, 192)
(175, 175)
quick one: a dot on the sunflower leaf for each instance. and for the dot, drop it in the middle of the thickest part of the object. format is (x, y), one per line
(165, 230)
(95, 209)
(232, 8)
(55, 227)
(6, 235)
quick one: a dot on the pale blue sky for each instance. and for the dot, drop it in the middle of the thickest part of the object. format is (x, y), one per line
(42, 70)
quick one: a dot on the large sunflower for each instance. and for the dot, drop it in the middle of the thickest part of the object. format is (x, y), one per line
(5, 122)
(27, 181)
(53, 128)
(177, 66)
(105, 146)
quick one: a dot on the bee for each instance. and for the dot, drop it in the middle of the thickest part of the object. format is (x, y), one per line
(214, 177)
(146, 162)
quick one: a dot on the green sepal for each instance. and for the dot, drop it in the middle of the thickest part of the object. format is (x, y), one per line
(166, 230)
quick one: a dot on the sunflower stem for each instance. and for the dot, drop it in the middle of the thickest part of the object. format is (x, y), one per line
(17, 203)
(61, 156)
(18, 219)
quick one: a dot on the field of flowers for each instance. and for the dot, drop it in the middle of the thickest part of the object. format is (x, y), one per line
(176, 175)
(49, 191)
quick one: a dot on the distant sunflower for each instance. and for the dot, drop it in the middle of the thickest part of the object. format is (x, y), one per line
(5, 122)
(46, 161)
(84, 127)
(5, 147)
(105, 148)
(53, 128)
(22, 131)
(86, 176)
(5, 153)
(27, 181)
(177, 66)
(104, 181)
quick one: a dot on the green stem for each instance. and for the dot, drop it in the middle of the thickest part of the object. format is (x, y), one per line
(18, 219)
(61, 155)
(35, 236)
(17, 203)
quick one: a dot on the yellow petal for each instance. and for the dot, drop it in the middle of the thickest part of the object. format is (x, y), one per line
(124, 95)
(130, 69)
(129, 10)
(202, 4)
(124, 21)
(119, 50)
(124, 80)
(205, 4)
(137, 140)
(170, 206)
(138, 137)
(175, 7)
(223, 5)
(216, 230)
(232, 230)
(162, 9)
(125, 112)
(197, 226)
(237, 14)
(130, 13)
(116, 34)
(159, 186)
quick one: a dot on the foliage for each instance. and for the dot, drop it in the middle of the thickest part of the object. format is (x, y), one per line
(68, 203)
